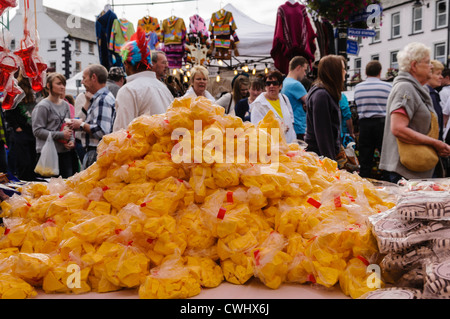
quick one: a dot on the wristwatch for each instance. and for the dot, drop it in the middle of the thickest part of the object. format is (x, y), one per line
(82, 125)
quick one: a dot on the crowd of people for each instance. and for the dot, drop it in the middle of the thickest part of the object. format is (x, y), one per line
(309, 102)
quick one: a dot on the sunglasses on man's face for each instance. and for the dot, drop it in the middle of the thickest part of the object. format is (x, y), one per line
(274, 83)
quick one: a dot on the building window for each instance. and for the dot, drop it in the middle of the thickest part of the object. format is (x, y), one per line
(417, 20)
(91, 48)
(77, 66)
(439, 52)
(395, 25)
(52, 45)
(78, 45)
(441, 14)
(51, 67)
(377, 37)
(375, 57)
(357, 66)
(394, 63)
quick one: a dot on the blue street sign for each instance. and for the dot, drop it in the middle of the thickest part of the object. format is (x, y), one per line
(361, 32)
(352, 47)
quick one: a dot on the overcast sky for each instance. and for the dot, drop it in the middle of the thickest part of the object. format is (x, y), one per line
(263, 11)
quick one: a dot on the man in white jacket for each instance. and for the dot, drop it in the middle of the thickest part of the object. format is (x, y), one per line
(273, 100)
(143, 93)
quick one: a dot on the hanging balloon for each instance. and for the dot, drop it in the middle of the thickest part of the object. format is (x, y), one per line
(8, 66)
(37, 83)
(13, 94)
(25, 52)
(5, 4)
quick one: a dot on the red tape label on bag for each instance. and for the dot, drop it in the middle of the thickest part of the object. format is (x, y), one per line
(230, 197)
(337, 202)
(221, 213)
(145, 203)
(350, 196)
(311, 278)
(257, 257)
(364, 260)
(313, 202)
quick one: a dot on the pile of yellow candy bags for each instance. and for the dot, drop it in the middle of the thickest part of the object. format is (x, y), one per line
(138, 218)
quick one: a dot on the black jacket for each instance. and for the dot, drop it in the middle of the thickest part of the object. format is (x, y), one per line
(323, 121)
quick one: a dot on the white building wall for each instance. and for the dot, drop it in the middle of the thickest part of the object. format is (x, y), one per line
(49, 30)
(429, 36)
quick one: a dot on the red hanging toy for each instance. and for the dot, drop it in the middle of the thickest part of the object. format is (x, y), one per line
(5, 4)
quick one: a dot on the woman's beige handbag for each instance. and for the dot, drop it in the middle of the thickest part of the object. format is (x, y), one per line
(420, 158)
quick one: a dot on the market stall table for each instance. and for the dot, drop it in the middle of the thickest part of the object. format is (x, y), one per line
(253, 289)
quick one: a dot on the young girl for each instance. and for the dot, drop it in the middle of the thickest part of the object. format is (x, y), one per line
(48, 117)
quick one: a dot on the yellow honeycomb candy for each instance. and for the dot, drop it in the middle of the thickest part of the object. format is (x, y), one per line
(66, 204)
(170, 280)
(168, 244)
(14, 232)
(99, 281)
(67, 278)
(156, 226)
(99, 208)
(202, 109)
(74, 246)
(238, 269)
(12, 287)
(135, 146)
(97, 229)
(38, 210)
(270, 262)
(144, 125)
(208, 272)
(198, 233)
(32, 267)
(180, 117)
(127, 269)
(235, 243)
(354, 280)
(15, 206)
(225, 175)
(181, 102)
(44, 239)
(161, 170)
(286, 221)
(35, 189)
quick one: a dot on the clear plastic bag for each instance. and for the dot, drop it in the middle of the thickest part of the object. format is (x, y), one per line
(393, 293)
(437, 277)
(393, 234)
(423, 205)
(48, 165)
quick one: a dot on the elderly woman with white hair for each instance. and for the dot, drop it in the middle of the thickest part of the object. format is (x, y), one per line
(411, 121)
(199, 83)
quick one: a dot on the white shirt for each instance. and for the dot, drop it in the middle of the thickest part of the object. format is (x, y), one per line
(261, 106)
(225, 101)
(444, 94)
(191, 92)
(142, 94)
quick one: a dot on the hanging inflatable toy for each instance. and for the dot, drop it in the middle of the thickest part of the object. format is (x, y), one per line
(13, 94)
(9, 65)
(5, 4)
(27, 48)
(37, 83)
